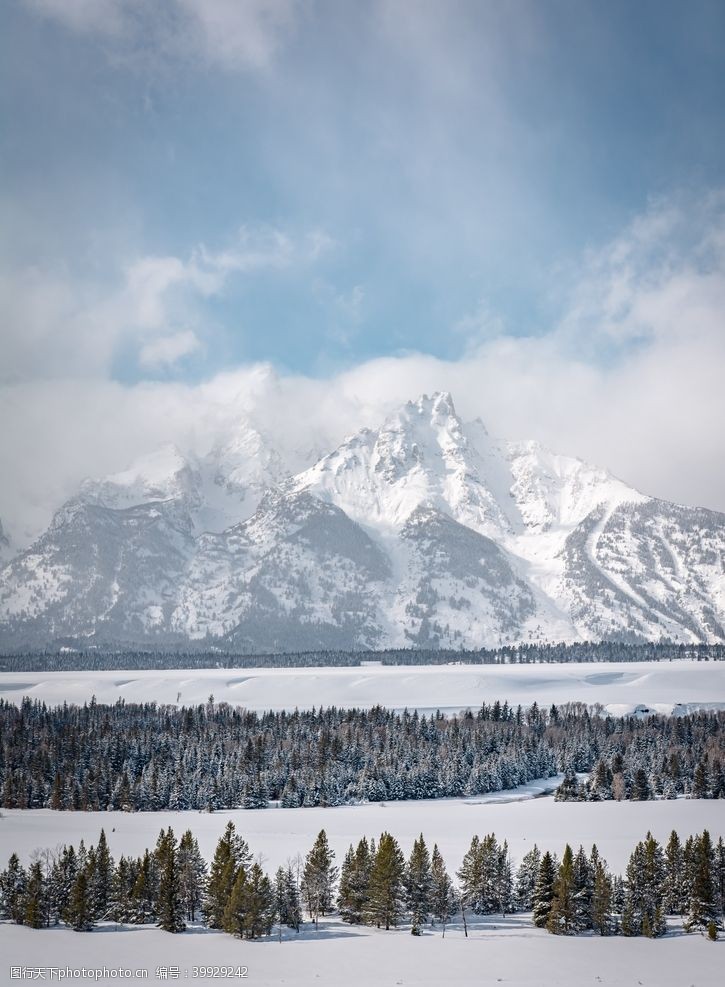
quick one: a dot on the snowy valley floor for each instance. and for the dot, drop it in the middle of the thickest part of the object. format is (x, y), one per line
(507, 951)
(620, 686)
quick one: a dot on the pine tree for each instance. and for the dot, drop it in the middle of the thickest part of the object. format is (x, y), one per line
(674, 883)
(702, 908)
(418, 885)
(354, 889)
(250, 911)
(643, 912)
(443, 898)
(231, 855)
(602, 900)
(62, 876)
(583, 891)
(121, 908)
(470, 877)
(169, 904)
(318, 878)
(526, 877)
(101, 878)
(80, 908)
(562, 917)
(543, 896)
(192, 874)
(386, 903)
(287, 899)
(144, 890)
(13, 882)
(35, 899)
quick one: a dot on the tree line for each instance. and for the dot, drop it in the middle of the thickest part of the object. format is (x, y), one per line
(146, 757)
(376, 885)
(75, 657)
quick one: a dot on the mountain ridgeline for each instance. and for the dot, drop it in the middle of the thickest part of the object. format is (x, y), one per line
(424, 533)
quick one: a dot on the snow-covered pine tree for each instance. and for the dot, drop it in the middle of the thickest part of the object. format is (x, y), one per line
(287, 899)
(702, 908)
(145, 889)
(602, 921)
(418, 885)
(443, 896)
(231, 855)
(192, 874)
(13, 882)
(169, 904)
(354, 889)
(673, 892)
(562, 917)
(526, 877)
(544, 891)
(643, 911)
(318, 878)
(386, 903)
(79, 914)
(35, 899)
(583, 891)
(101, 878)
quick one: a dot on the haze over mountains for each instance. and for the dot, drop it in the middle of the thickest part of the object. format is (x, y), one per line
(423, 532)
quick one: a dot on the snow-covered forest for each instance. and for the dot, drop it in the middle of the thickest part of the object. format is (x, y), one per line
(212, 756)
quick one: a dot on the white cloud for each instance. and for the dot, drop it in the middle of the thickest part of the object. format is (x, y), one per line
(168, 350)
(233, 34)
(631, 378)
(57, 325)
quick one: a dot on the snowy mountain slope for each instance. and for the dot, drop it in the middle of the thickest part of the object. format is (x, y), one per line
(425, 532)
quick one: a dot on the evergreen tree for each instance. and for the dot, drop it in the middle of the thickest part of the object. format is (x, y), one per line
(673, 892)
(354, 889)
(35, 899)
(643, 912)
(526, 878)
(602, 900)
(418, 885)
(144, 891)
(62, 876)
(287, 899)
(386, 902)
(169, 904)
(80, 907)
(443, 898)
(13, 882)
(231, 855)
(192, 874)
(702, 908)
(318, 878)
(101, 878)
(250, 913)
(583, 890)
(543, 896)
(562, 917)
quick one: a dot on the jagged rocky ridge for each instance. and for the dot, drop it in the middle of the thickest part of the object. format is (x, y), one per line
(424, 532)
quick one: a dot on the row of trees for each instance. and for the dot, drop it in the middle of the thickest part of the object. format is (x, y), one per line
(74, 658)
(212, 756)
(376, 885)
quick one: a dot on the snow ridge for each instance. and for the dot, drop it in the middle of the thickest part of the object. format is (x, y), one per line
(423, 532)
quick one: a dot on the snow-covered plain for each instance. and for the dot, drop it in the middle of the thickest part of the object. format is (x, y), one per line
(508, 951)
(621, 687)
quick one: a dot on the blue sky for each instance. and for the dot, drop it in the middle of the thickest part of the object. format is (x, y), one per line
(525, 191)
(455, 156)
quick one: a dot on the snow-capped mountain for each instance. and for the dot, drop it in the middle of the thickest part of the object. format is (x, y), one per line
(424, 532)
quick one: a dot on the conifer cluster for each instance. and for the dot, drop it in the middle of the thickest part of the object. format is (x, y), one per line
(376, 885)
(148, 757)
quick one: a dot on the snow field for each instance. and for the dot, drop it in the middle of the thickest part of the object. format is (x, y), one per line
(279, 834)
(509, 952)
(662, 686)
